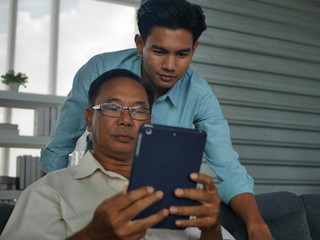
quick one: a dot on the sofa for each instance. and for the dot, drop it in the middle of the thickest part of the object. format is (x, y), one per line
(290, 217)
(5, 212)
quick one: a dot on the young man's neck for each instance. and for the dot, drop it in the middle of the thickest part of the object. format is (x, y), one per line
(158, 92)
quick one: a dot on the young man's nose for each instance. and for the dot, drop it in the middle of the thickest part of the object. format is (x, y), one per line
(169, 63)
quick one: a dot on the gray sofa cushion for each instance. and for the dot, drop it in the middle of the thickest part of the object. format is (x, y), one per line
(283, 212)
(230, 221)
(312, 206)
(5, 212)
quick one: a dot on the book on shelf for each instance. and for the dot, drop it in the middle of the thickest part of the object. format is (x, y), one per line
(8, 126)
(21, 166)
(7, 183)
(35, 169)
(45, 119)
(28, 170)
(39, 122)
(8, 129)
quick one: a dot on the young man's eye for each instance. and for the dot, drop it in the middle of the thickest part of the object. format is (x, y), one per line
(183, 54)
(158, 52)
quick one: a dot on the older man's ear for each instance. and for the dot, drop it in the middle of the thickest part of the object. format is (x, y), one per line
(88, 114)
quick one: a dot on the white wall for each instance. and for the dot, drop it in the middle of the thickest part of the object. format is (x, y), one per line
(262, 59)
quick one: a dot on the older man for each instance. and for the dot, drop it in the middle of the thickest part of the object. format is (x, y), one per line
(90, 201)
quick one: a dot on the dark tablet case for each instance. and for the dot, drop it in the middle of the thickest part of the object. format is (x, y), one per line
(165, 157)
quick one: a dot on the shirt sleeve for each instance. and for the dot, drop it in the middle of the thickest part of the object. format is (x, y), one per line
(221, 156)
(41, 223)
(70, 124)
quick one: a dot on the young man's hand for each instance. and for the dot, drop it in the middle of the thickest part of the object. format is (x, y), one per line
(206, 210)
(112, 218)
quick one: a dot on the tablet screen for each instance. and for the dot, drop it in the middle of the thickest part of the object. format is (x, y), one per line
(165, 156)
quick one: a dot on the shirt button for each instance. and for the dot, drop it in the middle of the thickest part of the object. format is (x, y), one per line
(149, 234)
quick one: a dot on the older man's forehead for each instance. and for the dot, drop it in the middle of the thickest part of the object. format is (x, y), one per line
(118, 101)
(125, 86)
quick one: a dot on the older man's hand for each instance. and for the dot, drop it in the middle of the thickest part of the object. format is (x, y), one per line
(206, 210)
(112, 218)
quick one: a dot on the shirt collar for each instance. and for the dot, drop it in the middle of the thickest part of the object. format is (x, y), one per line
(137, 64)
(88, 165)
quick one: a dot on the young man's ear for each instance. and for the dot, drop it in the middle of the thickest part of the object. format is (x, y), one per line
(88, 114)
(139, 44)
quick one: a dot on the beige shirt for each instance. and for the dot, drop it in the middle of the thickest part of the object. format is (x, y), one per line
(63, 202)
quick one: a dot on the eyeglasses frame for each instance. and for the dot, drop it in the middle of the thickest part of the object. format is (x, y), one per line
(99, 107)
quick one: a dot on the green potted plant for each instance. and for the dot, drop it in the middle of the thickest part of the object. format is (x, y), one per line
(14, 80)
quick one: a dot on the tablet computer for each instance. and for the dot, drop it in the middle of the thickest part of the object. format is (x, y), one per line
(164, 158)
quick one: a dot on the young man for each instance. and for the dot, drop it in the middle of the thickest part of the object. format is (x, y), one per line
(169, 37)
(90, 201)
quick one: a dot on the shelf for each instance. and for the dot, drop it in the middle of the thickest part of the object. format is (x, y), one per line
(9, 194)
(23, 141)
(11, 99)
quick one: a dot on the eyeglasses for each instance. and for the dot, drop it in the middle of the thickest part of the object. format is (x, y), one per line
(116, 111)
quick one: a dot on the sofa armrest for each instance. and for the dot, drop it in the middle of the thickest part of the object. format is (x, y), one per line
(5, 212)
(312, 206)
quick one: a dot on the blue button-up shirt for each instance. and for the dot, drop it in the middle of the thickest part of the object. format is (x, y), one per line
(190, 102)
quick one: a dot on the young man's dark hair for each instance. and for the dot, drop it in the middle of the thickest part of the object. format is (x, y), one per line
(171, 14)
(96, 84)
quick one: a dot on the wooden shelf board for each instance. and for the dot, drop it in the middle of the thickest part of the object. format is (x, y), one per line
(13, 99)
(9, 194)
(23, 141)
